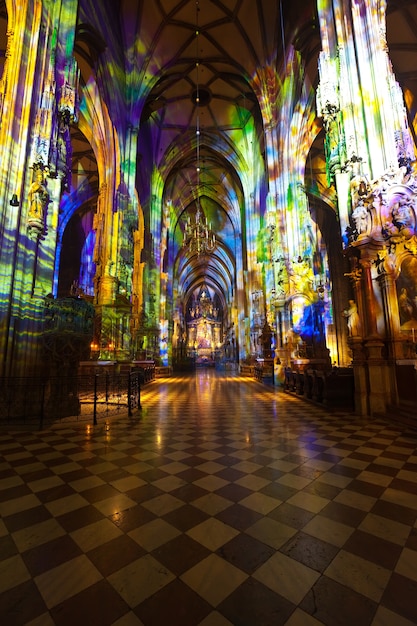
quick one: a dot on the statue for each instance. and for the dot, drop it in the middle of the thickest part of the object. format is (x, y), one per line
(403, 218)
(266, 340)
(352, 318)
(38, 200)
(38, 196)
(360, 218)
(358, 185)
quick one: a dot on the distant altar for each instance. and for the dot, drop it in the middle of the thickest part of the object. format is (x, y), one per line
(203, 328)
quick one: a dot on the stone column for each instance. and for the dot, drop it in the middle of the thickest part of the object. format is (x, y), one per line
(366, 304)
(356, 345)
(386, 283)
(378, 370)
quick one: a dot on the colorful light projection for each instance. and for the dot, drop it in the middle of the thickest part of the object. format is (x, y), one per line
(163, 343)
(247, 210)
(358, 88)
(37, 90)
(87, 265)
(298, 297)
(219, 198)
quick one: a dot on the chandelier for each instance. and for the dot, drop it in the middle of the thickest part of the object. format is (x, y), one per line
(198, 236)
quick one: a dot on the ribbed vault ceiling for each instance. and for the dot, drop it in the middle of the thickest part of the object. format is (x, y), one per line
(153, 45)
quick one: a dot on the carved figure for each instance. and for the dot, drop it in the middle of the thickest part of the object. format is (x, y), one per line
(389, 230)
(358, 185)
(403, 218)
(352, 318)
(38, 197)
(360, 218)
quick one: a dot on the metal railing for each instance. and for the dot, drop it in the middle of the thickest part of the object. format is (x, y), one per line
(34, 401)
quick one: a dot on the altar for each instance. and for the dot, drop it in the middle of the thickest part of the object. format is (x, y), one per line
(203, 329)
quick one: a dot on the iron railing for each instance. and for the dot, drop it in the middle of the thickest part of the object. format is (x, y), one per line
(37, 401)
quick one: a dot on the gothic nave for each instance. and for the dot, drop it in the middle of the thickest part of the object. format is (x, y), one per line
(211, 183)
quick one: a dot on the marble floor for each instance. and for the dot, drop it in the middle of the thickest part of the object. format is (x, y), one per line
(224, 502)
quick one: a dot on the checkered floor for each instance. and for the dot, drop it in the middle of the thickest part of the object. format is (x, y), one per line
(226, 502)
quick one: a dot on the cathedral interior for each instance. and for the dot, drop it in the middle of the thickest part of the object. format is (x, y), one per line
(218, 198)
(214, 183)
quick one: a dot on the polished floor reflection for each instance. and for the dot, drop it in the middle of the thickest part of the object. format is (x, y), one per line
(226, 502)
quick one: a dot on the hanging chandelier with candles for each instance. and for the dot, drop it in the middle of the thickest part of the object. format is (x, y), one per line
(198, 236)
